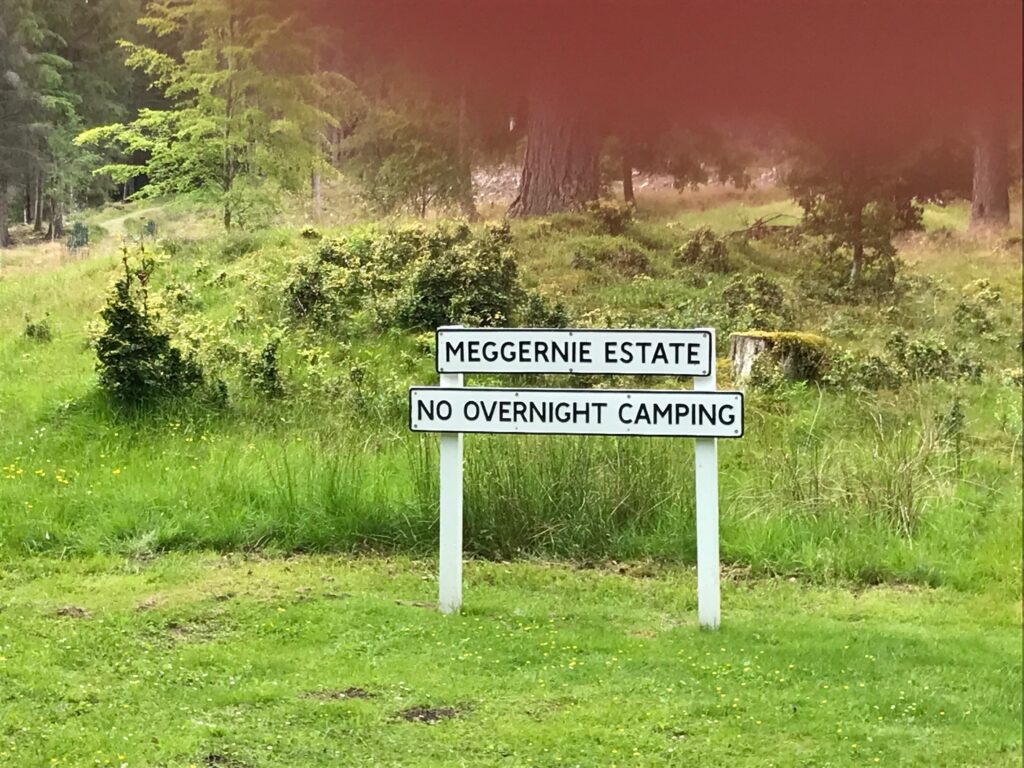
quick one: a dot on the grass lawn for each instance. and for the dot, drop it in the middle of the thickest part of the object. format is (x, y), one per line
(219, 660)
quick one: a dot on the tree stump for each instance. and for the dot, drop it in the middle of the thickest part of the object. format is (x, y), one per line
(800, 356)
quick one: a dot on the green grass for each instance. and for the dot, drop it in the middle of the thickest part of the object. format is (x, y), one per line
(827, 485)
(203, 660)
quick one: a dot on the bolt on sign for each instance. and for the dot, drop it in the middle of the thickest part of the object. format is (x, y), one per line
(452, 409)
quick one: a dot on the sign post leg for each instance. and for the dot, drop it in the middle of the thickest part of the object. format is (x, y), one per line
(709, 601)
(450, 570)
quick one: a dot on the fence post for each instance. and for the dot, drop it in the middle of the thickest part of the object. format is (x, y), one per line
(709, 599)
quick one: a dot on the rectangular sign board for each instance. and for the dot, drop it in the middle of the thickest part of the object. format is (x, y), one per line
(561, 350)
(653, 412)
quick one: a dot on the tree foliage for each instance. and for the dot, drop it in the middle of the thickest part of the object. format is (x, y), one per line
(241, 120)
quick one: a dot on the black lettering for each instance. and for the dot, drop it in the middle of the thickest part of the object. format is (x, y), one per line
(609, 351)
(643, 414)
(623, 417)
(518, 411)
(727, 414)
(424, 409)
(584, 350)
(663, 413)
(444, 410)
(708, 413)
(471, 410)
(693, 354)
(489, 351)
(682, 413)
(559, 350)
(563, 413)
(488, 411)
(541, 352)
(473, 352)
(626, 349)
(454, 351)
(675, 348)
(508, 351)
(660, 354)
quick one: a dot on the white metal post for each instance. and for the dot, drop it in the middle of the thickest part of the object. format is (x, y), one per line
(449, 580)
(709, 609)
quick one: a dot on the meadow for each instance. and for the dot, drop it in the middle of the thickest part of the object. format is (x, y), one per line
(919, 483)
(249, 582)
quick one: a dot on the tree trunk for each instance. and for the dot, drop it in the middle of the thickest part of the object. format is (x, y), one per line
(5, 236)
(317, 196)
(37, 222)
(857, 267)
(27, 217)
(990, 199)
(560, 170)
(56, 229)
(627, 179)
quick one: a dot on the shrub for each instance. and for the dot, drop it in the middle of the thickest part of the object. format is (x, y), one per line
(78, 236)
(414, 278)
(757, 302)
(475, 282)
(238, 245)
(263, 371)
(136, 361)
(619, 254)
(927, 357)
(846, 370)
(612, 217)
(310, 232)
(826, 272)
(705, 250)
(540, 312)
(38, 330)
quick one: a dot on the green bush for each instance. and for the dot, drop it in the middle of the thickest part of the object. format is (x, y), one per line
(38, 330)
(826, 272)
(845, 370)
(415, 278)
(310, 232)
(263, 371)
(612, 217)
(136, 361)
(78, 236)
(618, 254)
(923, 358)
(705, 250)
(757, 302)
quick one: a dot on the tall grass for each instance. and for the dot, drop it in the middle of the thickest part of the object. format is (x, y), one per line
(825, 486)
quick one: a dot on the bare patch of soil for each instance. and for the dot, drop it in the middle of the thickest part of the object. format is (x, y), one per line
(428, 714)
(73, 612)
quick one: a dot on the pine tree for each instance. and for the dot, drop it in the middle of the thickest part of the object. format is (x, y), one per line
(241, 119)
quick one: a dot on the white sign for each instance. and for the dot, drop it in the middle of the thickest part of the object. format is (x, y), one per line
(453, 409)
(664, 413)
(557, 350)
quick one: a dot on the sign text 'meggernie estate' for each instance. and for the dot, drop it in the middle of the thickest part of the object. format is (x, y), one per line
(666, 413)
(558, 350)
